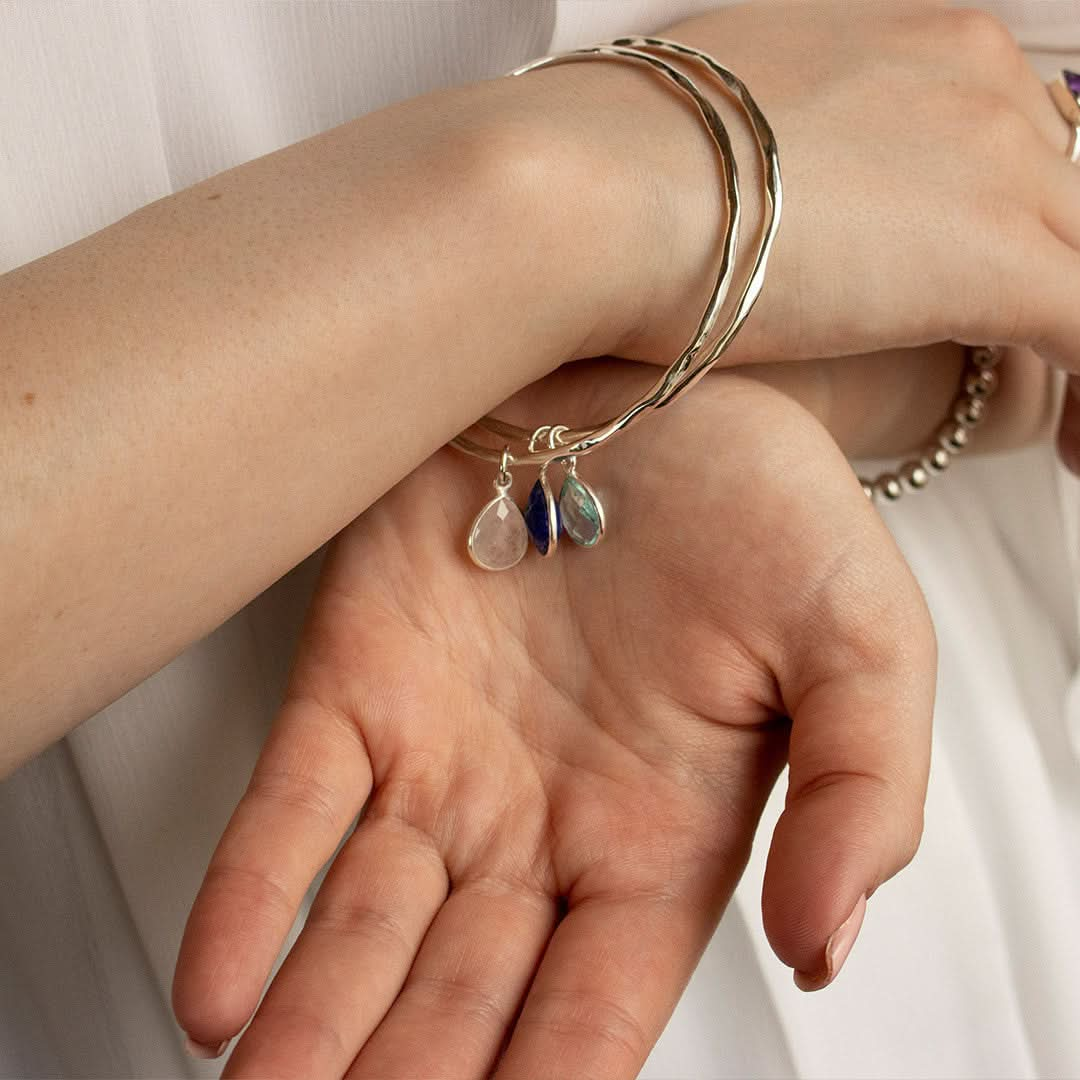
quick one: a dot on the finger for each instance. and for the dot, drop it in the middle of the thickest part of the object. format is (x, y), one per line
(860, 698)
(606, 987)
(350, 961)
(465, 988)
(310, 782)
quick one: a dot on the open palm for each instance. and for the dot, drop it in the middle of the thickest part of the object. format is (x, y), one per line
(563, 764)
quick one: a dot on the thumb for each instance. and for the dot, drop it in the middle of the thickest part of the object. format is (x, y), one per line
(859, 759)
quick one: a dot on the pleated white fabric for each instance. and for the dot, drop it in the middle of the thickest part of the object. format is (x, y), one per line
(966, 963)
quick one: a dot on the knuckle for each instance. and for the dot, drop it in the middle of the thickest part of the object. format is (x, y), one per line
(461, 998)
(363, 920)
(890, 806)
(280, 1022)
(980, 36)
(873, 613)
(305, 794)
(257, 891)
(596, 1027)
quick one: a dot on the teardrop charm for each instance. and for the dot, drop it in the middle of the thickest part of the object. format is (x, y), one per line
(542, 516)
(498, 538)
(581, 512)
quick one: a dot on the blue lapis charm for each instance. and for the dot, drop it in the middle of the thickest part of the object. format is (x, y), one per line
(542, 516)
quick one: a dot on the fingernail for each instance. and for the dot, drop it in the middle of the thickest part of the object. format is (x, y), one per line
(836, 950)
(202, 1051)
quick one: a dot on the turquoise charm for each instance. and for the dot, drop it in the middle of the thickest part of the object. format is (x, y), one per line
(580, 510)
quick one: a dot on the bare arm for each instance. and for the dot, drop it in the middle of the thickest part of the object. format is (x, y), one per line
(198, 396)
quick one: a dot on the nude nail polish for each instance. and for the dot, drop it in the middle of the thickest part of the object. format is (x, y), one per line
(203, 1052)
(836, 950)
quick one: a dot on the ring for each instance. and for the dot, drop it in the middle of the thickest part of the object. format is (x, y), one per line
(1065, 90)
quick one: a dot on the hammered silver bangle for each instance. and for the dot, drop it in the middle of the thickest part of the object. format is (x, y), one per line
(501, 531)
(683, 372)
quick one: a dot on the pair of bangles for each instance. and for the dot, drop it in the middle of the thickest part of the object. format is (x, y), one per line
(501, 532)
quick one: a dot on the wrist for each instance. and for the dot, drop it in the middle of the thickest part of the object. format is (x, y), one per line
(626, 179)
(889, 404)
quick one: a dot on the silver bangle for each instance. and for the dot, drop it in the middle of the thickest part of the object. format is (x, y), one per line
(499, 535)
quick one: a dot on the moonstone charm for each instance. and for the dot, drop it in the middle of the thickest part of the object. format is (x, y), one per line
(498, 538)
(581, 512)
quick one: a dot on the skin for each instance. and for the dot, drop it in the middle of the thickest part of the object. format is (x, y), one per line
(538, 916)
(896, 231)
(126, 317)
(564, 764)
(168, 383)
(891, 403)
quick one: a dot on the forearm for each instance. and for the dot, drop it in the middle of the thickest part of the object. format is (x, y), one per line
(198, 396)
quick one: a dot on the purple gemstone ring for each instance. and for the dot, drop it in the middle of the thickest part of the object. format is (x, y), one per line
(1065, 90)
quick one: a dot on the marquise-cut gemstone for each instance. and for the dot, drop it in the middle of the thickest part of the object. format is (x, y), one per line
(580, 512)
(538, 517)
(1072, 81)
(498, 538)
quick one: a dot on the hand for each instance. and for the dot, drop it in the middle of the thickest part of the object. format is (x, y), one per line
(927, 193)
(563, 765)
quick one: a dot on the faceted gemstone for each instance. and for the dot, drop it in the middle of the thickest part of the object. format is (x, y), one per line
(1072, 81)
(542, 516)
(580, 512)
(498, 538)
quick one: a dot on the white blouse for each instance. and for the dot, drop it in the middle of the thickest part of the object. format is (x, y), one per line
(967, 962)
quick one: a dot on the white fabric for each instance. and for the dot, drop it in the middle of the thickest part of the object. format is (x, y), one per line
(965, 965)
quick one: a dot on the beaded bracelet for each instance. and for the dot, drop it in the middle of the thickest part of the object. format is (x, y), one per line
(978, 381)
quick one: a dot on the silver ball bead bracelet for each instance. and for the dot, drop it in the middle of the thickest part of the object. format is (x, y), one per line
(978, 381)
